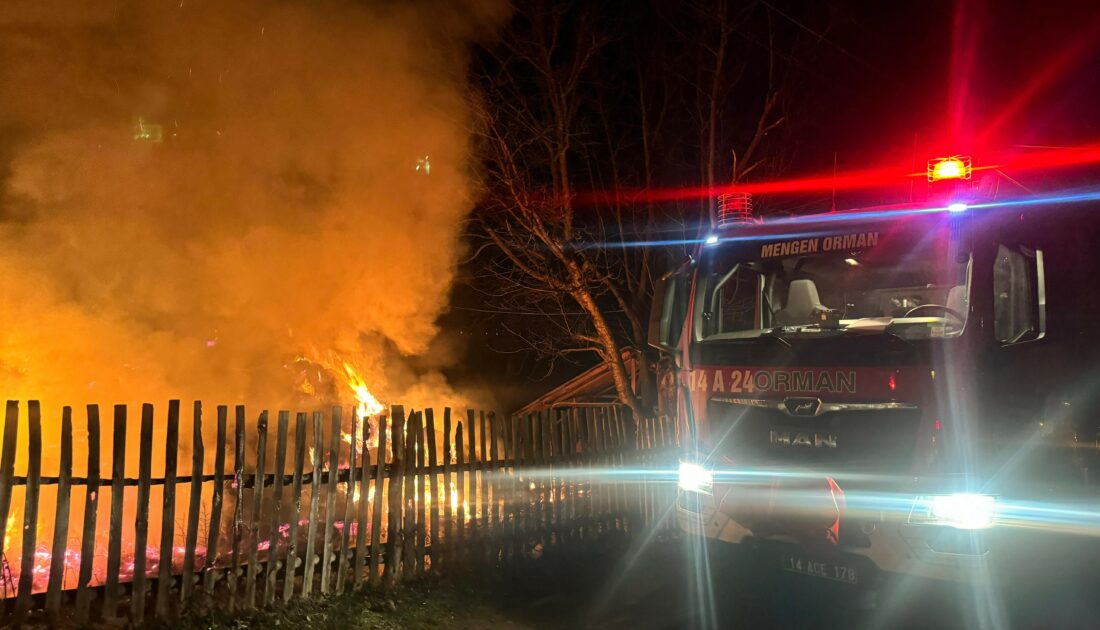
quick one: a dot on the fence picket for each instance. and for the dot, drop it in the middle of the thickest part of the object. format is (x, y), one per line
(310, 561)
(114, 541)
(557, 439)
(273, 564)
(605, 461)
(508, 485)
(448, 509)
(433, 518)
(210, 572)
(363, 519)
(194, 505)
(343, 547)
(421, 494)
(483, 472)
(548, 475)
(237, 526)
(408, 532)
(376, 508)
(141, 524)
(570, 454)
(474, 489)
(61, 518)
(460, 474)
(494, 487)
(393, 529)
(91, 508)
(7, 473)
(30, 510)
(292, 560)
(168, 507)
(330, 498)
(256, 515)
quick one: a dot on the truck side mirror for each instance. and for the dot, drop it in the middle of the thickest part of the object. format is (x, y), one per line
(669, 308)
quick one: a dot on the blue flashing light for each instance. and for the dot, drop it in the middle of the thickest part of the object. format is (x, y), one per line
(712, 239)
(958, 206)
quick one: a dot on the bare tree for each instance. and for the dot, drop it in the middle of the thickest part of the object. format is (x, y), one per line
(584, 277)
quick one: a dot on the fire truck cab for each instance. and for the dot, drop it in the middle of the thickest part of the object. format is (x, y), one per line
(889, 390)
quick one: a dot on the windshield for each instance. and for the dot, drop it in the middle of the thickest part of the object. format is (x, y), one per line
(912, 291)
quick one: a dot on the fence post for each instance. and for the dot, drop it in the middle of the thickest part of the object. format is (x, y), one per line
(314, 505)
(141, 525)
(421, 486)
(393, 537)
(494, 483)
(194, 504)
(567, 448)
(296, 513)
(376, 508)
(362, 520)
(114, 541)
(343, 544)
(7, 473)
(482, 467)
(213, 534)
(460, 474)
(238, 504)
(61, 518)
(474, 493)
(30, 510)
(91, 507)
(168, 510)
(256, 515)
(433, 518)
(550, 480)
(510, 491)
(272, 574)
(408, 532)
(330, 498)
(448, 509)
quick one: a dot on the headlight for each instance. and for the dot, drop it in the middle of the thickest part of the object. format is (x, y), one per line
(962, 510)
(694, 478)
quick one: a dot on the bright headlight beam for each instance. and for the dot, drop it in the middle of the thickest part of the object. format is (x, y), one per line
(961, 510)
(694, 478)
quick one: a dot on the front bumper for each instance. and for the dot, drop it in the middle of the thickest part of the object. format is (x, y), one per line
(891, 546)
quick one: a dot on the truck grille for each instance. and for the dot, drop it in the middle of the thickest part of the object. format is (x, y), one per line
(878, 440)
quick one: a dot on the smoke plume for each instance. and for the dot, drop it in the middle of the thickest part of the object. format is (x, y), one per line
(214, 200)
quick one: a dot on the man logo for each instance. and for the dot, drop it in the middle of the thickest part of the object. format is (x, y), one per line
(813, 440)
(806, 407)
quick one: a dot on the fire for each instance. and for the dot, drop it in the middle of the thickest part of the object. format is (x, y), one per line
(368, 404)
(8, 528)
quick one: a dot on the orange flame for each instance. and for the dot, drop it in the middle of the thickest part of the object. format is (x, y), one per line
(368, 404)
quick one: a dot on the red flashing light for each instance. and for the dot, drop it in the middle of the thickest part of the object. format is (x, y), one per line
(938, 425)
(954, 167)
(892, 383)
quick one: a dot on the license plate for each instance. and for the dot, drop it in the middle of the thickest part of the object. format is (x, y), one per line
(819, 569)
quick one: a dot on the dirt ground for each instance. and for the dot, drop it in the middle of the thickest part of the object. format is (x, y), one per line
(661, 584)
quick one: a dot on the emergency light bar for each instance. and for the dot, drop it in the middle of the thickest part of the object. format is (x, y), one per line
(954, 167)
(734, 209)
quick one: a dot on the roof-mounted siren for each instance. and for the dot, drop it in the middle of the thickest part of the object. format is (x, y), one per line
(950, 181)
(734, 209)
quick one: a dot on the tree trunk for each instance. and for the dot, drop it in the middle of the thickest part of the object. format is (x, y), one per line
(611, 351)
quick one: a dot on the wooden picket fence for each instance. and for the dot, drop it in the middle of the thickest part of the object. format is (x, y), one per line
(477, 491)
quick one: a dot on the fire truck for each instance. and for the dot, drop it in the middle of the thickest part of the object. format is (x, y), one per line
(886, 391)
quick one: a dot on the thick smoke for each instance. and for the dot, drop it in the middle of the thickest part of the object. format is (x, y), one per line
(195, 195)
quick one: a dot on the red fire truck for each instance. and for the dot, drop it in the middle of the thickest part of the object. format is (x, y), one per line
(887, 390)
